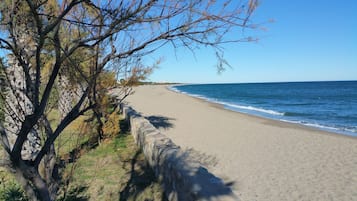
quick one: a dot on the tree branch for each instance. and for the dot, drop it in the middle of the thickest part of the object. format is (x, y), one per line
(36, 92)
(46, 94)
(4, 140)
(50, 27)
(71, 116)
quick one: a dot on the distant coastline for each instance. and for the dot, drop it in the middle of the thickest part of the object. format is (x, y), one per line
(159, 83)
(268, 82)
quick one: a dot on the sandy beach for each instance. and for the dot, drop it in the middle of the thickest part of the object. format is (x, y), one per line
(264, 159)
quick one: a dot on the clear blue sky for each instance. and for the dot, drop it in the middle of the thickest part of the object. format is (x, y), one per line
(310, 40)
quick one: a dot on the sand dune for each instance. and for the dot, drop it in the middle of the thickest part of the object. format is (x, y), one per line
(265, 159)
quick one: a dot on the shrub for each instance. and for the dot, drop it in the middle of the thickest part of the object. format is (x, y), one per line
(111, 126)
(12, 192)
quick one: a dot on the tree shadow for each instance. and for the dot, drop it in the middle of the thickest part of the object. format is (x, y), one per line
(124, 126)
(160, 122)
(186, 177)
(202, 158)
(76, 194)
(141, 175)
(184, 174)
(77, 152)
(141, 178)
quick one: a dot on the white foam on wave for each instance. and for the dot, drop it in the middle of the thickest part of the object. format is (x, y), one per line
(198, 96)
(310, 124)
(321, 126)
(346, 131)
(261, 110)
(172, 88)
(231, 105)
(353, 130)
(193, 95)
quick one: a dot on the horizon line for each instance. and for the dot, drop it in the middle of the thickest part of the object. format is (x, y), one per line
(263, 82)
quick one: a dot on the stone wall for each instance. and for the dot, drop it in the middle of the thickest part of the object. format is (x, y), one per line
(184, 179)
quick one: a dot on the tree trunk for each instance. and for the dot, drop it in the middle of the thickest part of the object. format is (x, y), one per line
(37, 190)
(26, 186)
(100, 125)
(51, 172)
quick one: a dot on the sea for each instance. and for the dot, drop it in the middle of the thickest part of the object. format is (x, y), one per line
(329, 106)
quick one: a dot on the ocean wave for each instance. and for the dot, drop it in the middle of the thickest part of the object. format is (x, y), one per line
(296, 114)
(305, 123)
(193, 95)
(251, 108)
(172, 88)
(299, 104)
(199, 96)
(352, 131)
(231, 105)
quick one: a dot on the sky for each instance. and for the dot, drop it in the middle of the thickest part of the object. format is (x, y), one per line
(309, 40)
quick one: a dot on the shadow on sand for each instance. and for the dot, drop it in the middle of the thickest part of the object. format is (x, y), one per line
(186, 177)
(184, 173)
(161, 122)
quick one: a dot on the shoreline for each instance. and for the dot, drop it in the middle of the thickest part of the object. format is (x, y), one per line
(275, 122)
(331, 131)
(264, 159)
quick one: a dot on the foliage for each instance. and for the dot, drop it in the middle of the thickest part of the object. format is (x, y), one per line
(105, 81)
(12, 192)
(77, 133)
(9, 189)
(111, 125)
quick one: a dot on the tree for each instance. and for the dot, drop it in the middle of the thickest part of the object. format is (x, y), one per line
(104, 35)
(2, 92)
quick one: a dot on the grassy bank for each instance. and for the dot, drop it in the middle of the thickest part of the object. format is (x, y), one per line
(114, 170)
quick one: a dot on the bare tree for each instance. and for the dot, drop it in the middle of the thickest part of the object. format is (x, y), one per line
(100, 32)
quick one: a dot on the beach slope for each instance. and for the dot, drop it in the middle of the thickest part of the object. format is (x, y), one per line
(262, 159)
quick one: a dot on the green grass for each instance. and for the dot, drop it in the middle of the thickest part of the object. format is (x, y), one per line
(74, 135)
(115, 170)
(9, 189)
